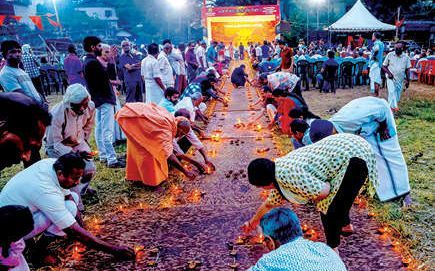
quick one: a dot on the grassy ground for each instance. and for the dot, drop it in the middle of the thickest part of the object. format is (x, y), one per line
(415, 123)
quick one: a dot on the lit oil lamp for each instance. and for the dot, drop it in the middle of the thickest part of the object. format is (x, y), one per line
(140, 205)
(121, 208)
(208, 169)
(239, 240)
(305, 227)
(383, 230)
(406, 261)
(260, 238)
(216, 137)
(311, 233)
(395, 244)
(138, 249)
(94, 153)
(258, 127)
(262, 150)
(76, 253)
(176, 190)
(371, 214)
(212, 153)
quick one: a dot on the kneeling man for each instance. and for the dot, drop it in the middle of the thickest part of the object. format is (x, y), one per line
(44, 189)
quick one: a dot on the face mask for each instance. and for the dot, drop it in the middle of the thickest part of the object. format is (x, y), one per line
(398, 51)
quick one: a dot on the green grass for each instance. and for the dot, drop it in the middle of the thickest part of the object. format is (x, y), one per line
(414, 226)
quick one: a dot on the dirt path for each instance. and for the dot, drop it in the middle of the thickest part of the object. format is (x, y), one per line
(196, 219)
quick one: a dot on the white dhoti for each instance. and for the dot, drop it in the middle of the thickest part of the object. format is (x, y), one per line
(394, 92)
(375, 76)
(271, 111)
(392, 169)
(153, 92)
(43, 224)
(118, 133)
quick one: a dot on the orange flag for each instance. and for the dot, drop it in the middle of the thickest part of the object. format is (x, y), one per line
(53, 22)
(17, 18)
(37, 21)
(2, 19)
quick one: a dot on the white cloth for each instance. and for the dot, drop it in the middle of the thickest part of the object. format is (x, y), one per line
(300, 255)
(177, 62)
(67, 124)
(258, 51)
(362, 117)
(200, 53)
(394, 88)
(375, 76)
(38, 188)
(397, 66)
(166, 70)
(392, 169)
(15, 261)
(42, 223)
(187, 103)
(193, 139)
(150, 70)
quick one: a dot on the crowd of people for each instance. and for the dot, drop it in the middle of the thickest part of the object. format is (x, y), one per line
(165, 97)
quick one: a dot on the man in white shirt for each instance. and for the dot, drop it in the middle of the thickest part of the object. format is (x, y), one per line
(182, 145)
(201, 57)
(151, 75)
(165, 67)
(44, 189)
(258, 53)
(396, 67)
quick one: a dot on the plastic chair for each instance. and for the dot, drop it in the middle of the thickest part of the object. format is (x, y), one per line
(360, 77)
(330, 77)
(45, 82)
(302, 69)
(422, 72)
(317, 67)
(346, 74)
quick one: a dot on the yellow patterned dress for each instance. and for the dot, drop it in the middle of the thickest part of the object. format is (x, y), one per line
(301, 174)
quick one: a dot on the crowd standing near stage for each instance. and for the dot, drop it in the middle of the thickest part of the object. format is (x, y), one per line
(167, 88)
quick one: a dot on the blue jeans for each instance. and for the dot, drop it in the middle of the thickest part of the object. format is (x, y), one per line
(104, 128)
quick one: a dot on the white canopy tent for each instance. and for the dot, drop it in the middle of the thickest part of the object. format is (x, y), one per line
(359, 19)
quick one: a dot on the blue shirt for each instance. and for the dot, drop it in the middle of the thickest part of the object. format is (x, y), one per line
(211, 54)
(300, 255)
(269, 66)
(168, 105)
(13, 79)
(362, 117)
(265, 51)
(377, 53)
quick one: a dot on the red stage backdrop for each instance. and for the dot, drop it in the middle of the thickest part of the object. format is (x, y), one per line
(242, 23)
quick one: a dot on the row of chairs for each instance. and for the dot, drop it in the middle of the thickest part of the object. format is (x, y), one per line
(54, 81)
(346, 74)
(426, 71)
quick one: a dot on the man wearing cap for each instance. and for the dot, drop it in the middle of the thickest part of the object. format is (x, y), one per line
(329, 173)
(70, 131)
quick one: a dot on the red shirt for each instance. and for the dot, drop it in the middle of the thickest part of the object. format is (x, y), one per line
(286, 58)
